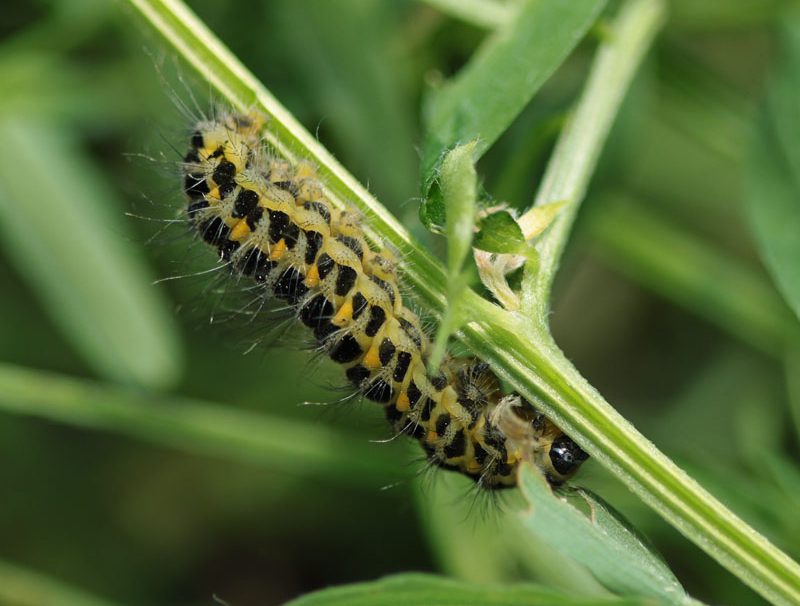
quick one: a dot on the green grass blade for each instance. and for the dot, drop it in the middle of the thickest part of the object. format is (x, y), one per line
(774, 180)
(57, 218)
(459, 187)
(774, 216)
(198, 427)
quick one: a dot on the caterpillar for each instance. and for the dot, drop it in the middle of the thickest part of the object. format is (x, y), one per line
(271, 222)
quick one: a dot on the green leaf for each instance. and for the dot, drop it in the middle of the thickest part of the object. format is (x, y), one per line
(500, 233)
(773, 209)
(196, 427)
(429, 590)
(57, 216)
(497, 548)
(459, 185)
(604, 544)
(773, 185)
(502, 77)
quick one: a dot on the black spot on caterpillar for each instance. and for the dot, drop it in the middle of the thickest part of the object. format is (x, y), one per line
(271, 222)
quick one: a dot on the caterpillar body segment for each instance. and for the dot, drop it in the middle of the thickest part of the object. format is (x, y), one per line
(272, 223)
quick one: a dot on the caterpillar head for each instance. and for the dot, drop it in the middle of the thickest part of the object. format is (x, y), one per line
(537, 439)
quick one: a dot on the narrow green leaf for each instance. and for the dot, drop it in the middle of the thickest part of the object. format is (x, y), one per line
(500, 233)
(459, 188)
(197, 427)
(616, 556)
(57, 216)
(773, 208)
(499, 81)
(497, 548)
(429, 590)
(459, 184)
(773, 184)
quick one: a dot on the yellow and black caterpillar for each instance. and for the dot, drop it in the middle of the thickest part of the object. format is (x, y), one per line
(271, 222)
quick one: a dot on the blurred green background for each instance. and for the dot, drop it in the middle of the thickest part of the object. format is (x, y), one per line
(121, 478)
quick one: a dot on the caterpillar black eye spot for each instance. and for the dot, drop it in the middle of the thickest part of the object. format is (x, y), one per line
(566, 456)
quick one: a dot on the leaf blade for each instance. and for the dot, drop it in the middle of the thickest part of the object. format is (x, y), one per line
(773, 181)
(404, 589)
(60, 231)
(502, 77)
(615, 555)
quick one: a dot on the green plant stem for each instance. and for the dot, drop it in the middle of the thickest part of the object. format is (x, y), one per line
(488, 14)
(578, 148)
(197, 427)
(523, 354)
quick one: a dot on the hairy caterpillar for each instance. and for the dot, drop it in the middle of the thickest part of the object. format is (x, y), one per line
(272, 223)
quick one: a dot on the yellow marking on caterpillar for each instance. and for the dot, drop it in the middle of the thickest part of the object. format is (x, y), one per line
(240, 230)
(344, 315)
(373, 359)
(403, 403)
(278, 250)
(213, 196)
(312, 276)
